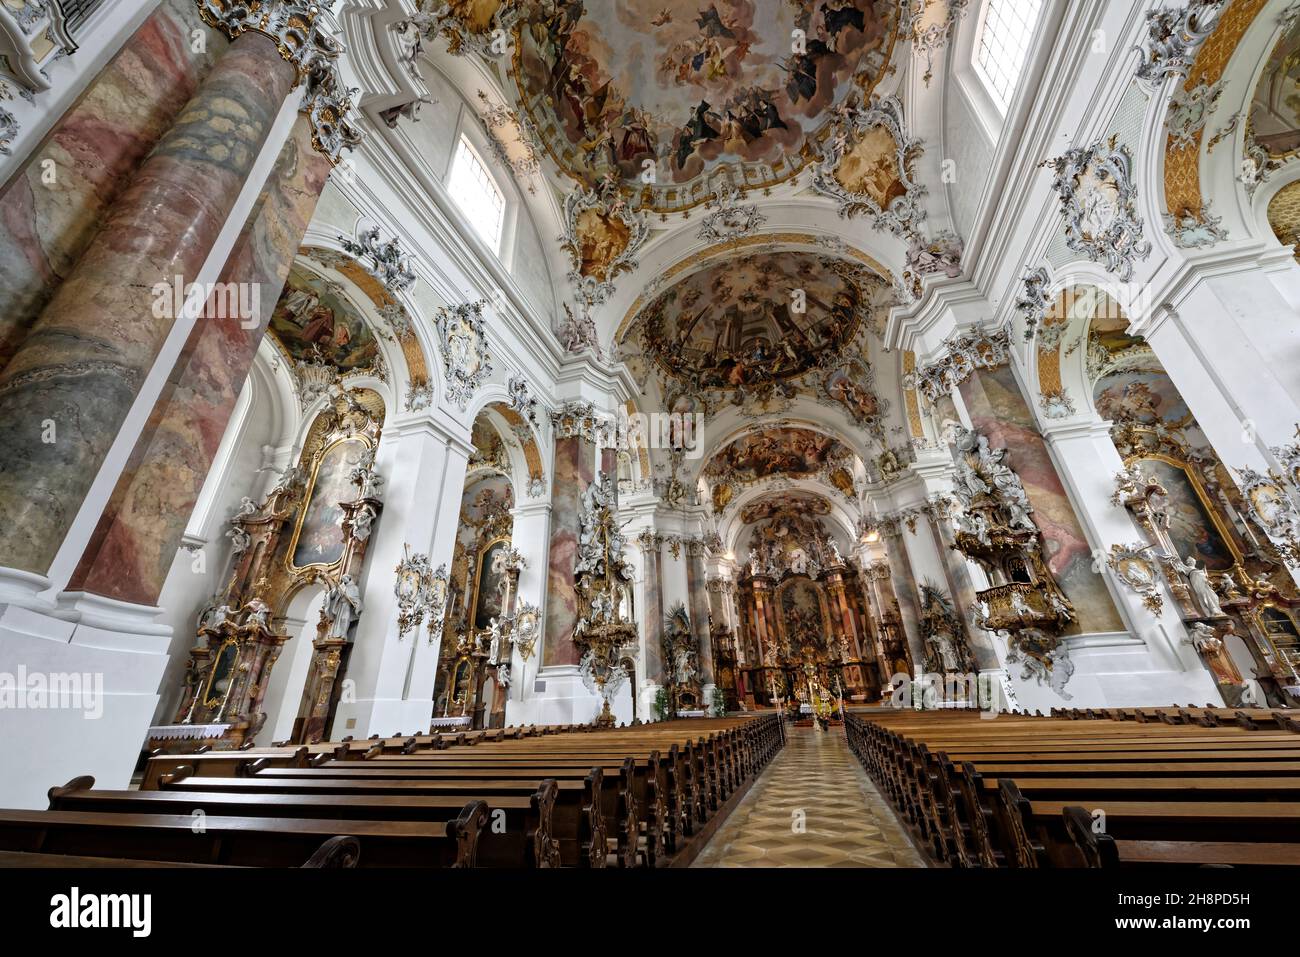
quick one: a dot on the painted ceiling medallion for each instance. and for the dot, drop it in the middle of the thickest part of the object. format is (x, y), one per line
(1098, 198)
(1271, 508)
(465, 358)
(763, 318)
(601, 237)
(772, 504)
(664, 93)
(867, 166)
(793, 452)
(849, 387)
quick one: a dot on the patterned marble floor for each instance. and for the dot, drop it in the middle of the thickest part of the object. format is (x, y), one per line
(813, 806)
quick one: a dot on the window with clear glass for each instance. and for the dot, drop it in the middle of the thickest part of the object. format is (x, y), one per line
(1003, 45)
(477, 194)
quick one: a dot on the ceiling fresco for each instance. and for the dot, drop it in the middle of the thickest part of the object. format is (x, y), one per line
(314, 322)
(1275, 108)
(777, 503)
(683, 87)
(757, 320)
(786, 451)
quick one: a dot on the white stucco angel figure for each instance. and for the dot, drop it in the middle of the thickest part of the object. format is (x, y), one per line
(947, 652)
(366, 477)
(246, 508)
(239, 540)
(1020, 606)
(258, 614)
(1062, 669)
(363, 523)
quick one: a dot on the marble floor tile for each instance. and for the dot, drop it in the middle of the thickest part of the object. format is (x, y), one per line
(813, 806)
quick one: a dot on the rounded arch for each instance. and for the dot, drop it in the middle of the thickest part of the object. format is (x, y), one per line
(1195, 170)
(526, 450)
(732, 524)
(400, 328)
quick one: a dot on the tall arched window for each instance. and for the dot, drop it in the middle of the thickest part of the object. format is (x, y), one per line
(1003, 44)
(477, 194)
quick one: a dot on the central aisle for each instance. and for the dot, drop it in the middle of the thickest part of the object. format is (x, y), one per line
(813, 806)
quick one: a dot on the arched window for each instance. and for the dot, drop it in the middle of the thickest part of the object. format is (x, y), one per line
(477, 194)
(1003, 44)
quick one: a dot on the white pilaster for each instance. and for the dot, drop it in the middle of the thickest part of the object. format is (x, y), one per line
(1150, 664)
(423, 459)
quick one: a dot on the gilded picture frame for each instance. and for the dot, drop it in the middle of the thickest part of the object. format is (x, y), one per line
(308, 500)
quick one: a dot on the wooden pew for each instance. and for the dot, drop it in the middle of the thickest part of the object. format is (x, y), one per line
(525, 840)
(245, 841)
(995, 793)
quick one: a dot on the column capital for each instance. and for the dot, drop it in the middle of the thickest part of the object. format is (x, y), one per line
(301, 31)
(1091, 426)
(429, 422)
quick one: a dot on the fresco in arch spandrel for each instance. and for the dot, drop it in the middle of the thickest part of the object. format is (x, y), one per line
(691, 85)
(314, 322)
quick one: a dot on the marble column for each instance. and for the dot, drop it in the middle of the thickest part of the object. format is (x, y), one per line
(135, 542)
(761, 633)
(51, 209)
(652, 547)
(840, 603)
(87, 356)
(699, 610)
(574, 470)
(903, 583)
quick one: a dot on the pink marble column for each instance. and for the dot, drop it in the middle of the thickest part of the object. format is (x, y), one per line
(87, 356)
(133, 546)
(575, 468)
(699, 605)
(92, 153)
(654, 606)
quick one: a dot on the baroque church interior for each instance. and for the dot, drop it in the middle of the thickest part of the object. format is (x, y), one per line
(632, 417)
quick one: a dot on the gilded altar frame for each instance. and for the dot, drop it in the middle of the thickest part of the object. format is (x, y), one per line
(1207, 504)
(208, 700)
(479, 557)
(318, 457)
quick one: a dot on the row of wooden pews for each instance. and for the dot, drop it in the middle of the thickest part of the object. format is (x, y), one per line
(1137, 787)
(641, 796)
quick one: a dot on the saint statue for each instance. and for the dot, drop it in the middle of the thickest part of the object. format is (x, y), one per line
(342, 606)
(1198, 580)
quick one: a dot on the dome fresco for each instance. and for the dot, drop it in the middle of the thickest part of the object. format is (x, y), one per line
(666, 91)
